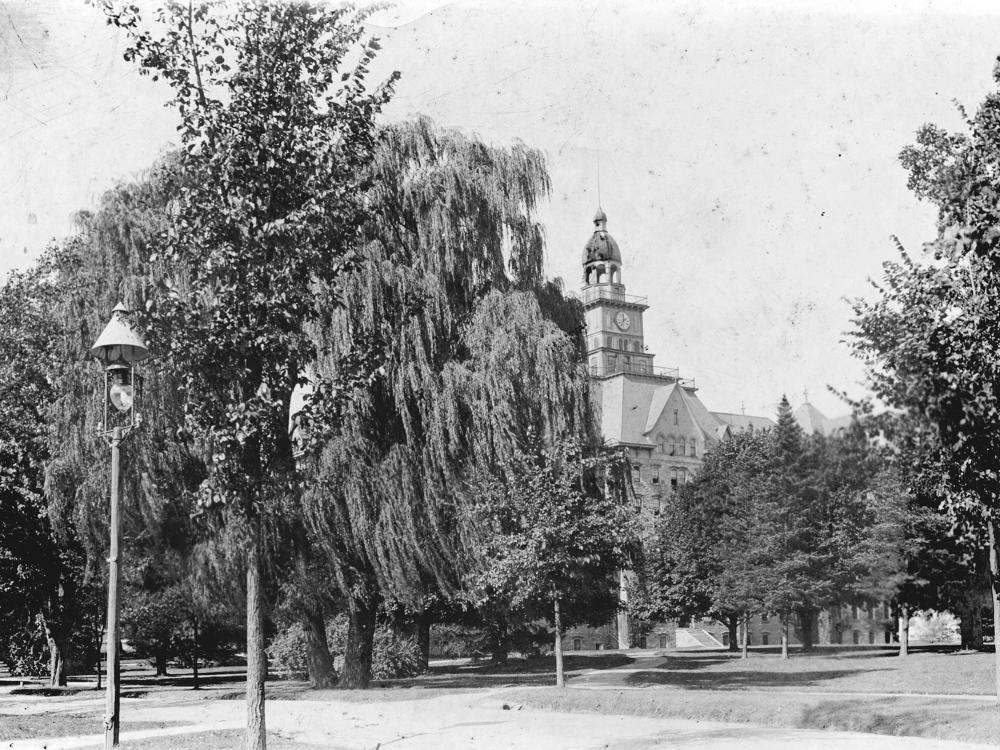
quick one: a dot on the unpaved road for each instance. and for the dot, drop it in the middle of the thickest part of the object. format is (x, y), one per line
(474, 720)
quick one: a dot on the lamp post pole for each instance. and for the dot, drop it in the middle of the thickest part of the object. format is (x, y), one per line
(112, 716)
(119, 347)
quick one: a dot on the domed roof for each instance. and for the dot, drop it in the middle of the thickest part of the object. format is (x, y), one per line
(601, 246)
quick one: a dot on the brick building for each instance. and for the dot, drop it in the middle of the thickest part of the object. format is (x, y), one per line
(660, 418)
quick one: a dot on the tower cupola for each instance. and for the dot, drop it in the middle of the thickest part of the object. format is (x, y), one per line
(602, 260)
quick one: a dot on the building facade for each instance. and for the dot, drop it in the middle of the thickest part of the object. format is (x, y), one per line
(658, 416)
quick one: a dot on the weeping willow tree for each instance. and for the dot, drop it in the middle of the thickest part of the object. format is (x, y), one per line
(104, 262)
(477, 351)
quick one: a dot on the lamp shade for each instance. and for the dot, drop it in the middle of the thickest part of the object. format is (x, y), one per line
(119, 343)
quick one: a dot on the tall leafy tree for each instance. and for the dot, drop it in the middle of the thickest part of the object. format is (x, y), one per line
(930, 334)
(274, 137)
(554, 527)
(475, 350)
(819, 517)
(923, 556)
(40, 578)
(705, 557)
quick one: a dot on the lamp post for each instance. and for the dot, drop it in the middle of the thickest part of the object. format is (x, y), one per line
(119, 348)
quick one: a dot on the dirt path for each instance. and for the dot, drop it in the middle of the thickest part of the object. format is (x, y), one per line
(444, 722)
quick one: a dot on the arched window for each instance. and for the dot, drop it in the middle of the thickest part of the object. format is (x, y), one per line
(577, 644)
(637, 346)
(672, 446)
(661, 443)
(693, 448)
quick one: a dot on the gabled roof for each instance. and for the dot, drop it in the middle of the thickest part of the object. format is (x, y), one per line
(743, 421)
(657, 404)
(812, 420)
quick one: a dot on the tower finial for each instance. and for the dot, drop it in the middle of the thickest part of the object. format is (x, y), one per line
(805, 395)
(598, 178)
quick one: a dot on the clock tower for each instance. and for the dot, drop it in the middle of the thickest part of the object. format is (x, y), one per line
(614, 319)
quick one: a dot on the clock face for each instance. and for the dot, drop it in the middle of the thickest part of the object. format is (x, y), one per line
(623, 321)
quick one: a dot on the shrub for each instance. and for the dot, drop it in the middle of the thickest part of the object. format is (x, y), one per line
(393, 656)
(288, 651)
(27, 653)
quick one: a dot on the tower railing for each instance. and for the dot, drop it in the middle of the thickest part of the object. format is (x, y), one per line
(641, 368)
(595, 294)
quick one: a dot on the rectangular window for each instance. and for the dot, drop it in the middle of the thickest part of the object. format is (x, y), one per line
(655, 477)
(854, 611)
(673, 480)
(763, 618)
(675, 416)
(764, 638)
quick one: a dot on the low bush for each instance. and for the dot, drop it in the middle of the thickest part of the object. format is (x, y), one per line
(393, 655)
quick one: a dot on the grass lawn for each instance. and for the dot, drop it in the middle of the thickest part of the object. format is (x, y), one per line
(61, 725)
(226, 739)
(828, 689)
(915, 717)
(875, 671)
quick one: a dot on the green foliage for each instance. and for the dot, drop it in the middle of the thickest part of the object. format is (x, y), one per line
(705, 557)
(929, 337)
(274, 142)
(552, 524)
(394, 655)
(458, 641)
(26, 652)
(451, 302)
(288, 651)
(776, 521)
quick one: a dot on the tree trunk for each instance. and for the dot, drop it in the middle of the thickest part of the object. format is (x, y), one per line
(424, 641)
(746, 637)
(256, 657)
(361, 618)
(420, 632)
(624, 624)
(194, 654)
(733, 623)
(58, 644)
(784, 636)
(499, 646)
(98, 668)
(319, 663)
(560, 675)
(161, 664)
(995, 590)
(807, 616)
(904, 630)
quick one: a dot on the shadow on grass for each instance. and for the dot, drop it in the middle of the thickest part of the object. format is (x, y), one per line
(185, 680)
(537, 664)
(718, 680)
(875, 717)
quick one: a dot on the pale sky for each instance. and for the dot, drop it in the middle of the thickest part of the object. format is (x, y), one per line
(748, 151)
